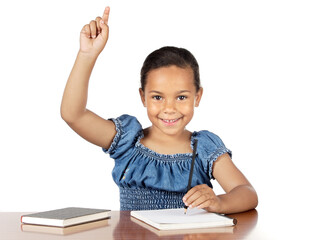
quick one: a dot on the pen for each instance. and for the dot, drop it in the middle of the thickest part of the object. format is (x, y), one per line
(191, 171)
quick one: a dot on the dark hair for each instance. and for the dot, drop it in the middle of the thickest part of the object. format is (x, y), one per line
(167, 56)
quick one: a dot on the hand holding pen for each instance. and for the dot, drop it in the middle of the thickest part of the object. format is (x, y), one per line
(200, 196)
(191, 172)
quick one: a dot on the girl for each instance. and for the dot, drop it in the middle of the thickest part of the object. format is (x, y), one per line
(152, 165)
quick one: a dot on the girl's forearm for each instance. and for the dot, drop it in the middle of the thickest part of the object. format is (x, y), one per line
(240, 199)
(75, 95)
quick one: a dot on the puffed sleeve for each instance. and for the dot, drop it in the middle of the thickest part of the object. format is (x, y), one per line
(127, 128)
(210, 147)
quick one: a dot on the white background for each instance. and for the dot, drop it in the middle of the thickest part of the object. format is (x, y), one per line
(260, 67)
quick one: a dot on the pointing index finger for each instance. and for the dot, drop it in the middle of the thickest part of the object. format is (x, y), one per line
(106, 15)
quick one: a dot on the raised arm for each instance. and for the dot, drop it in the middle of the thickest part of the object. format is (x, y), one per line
(93, 38)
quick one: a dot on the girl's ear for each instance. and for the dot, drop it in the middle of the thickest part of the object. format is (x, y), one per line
(142, 96)
(198, 97)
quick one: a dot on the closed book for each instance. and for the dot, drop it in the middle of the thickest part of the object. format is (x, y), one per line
(65, 217)
(65, 230)
(173, 219)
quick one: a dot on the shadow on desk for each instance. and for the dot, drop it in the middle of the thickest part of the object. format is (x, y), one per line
(131, 228)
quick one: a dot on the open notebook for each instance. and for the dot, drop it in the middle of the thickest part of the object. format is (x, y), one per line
(170, 219)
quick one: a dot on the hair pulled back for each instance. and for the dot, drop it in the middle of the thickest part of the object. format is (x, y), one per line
(168, 56)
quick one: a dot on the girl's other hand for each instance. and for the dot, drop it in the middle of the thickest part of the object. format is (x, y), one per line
(94, 36)
(202, 196)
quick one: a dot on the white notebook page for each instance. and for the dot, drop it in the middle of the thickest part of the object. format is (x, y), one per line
(177, 216)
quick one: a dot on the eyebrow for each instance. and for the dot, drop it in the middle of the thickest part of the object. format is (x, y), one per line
(179, 92)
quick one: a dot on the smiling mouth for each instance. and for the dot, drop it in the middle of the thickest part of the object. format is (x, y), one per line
(170, 121)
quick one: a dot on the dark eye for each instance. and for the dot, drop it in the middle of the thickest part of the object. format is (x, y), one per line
(157, 98)
(180, 98)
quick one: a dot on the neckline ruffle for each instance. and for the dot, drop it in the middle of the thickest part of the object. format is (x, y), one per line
(148, 152)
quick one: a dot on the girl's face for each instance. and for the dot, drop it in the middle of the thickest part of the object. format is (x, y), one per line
(170, 97)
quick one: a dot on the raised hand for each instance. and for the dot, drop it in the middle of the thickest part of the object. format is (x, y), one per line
(94, 36)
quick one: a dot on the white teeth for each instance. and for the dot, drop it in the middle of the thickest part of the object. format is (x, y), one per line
(170, 121)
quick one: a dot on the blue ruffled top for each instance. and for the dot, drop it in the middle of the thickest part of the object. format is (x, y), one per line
(150, 180)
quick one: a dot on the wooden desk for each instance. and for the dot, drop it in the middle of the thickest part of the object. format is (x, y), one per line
(122, 226)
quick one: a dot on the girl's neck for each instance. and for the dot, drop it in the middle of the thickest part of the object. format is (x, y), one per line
(161, 137)
(167, 144)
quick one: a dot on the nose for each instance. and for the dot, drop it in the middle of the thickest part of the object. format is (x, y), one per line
(169, 107)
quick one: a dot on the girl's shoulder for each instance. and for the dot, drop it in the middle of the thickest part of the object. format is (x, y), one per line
(208, 138)
(127, 122)
(209, 148)
(127, 126)
(128, 129)
(210, 144)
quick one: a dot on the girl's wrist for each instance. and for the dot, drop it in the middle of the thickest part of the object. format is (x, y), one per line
(219, 205)
(216, 207)
(87, 56)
